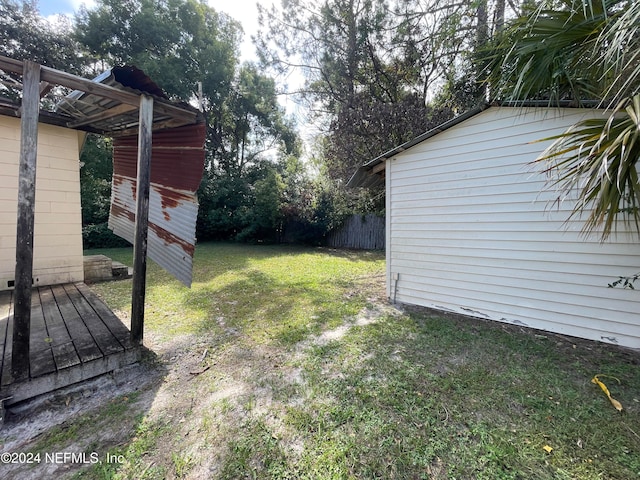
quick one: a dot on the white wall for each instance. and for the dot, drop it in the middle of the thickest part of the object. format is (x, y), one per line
(470, 229)
(58, 221)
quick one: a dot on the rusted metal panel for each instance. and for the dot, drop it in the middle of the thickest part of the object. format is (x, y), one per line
(177, 164)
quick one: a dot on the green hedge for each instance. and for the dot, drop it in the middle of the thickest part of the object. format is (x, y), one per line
(99, 236)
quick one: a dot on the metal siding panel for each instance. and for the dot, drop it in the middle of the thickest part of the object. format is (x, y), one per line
(176, 171)
(471, 231)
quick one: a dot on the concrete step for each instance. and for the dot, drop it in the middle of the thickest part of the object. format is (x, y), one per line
(120, 271)
(100, 268)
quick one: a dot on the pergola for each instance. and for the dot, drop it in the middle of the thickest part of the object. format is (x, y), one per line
(114, 110)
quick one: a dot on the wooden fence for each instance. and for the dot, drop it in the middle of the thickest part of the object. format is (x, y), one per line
(363, 232)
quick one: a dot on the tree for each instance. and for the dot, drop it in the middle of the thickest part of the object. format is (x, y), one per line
(257, 124)
(192, 52)
(25, 35)
(577, 51)
(355, 84)
(178, 43)
(372, 67)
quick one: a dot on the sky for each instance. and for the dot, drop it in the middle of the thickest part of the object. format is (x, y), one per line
(244, 11)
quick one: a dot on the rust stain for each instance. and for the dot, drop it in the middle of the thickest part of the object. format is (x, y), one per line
(119, 211)
(170, 239)
(172, 198)
(179, 168)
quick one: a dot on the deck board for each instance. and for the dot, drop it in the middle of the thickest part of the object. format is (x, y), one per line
(83, 341)
(40, 354)
(64, 353)
(113, 323)
(41, 363)
(107, 342)
(5, 313)
(73, 336)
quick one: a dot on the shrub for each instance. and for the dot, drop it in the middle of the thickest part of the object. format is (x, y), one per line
(99, 236)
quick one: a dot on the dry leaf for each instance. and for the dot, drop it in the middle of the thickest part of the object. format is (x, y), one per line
(614, 402)
(547, 449)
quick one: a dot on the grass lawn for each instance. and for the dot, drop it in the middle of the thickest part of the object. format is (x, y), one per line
(287, 363)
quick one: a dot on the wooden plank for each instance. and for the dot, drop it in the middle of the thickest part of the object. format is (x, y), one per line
(65, 355)
(83, 341)
(143, 184)
(40, 355)
(5, 341)
(39, 338)
(64, 352)
(7, 377)
(110, 113)
(20, 391)
(110, 320)
(26, 216)
(42, 363)
(104, 338)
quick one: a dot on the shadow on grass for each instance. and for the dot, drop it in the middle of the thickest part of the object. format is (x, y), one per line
(102, 419)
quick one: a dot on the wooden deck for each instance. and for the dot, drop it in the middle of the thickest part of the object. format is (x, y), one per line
(74, 336)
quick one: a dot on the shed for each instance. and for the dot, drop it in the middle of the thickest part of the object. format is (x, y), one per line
(472, 228)
(58, 229)
(53, 330)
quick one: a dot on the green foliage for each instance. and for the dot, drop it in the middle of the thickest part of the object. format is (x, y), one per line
(372, 66)
(552, 53)
(178, 43)
(99, 236)
(96, 168)
(582, 50)
(25, 35)
(264, 219)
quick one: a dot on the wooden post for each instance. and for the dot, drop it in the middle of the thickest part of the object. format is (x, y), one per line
(142, 218)
(26, 217)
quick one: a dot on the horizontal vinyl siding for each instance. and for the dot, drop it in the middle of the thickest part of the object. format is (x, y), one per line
(58, 221)
(472, 229)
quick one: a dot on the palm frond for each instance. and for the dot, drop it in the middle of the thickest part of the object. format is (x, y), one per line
(552, 53)
(598, 160)
(620, 42)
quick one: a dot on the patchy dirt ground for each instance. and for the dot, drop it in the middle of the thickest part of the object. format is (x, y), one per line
(172, 387)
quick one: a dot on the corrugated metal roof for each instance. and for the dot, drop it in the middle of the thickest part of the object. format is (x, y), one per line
(177, 165)
(99, 114)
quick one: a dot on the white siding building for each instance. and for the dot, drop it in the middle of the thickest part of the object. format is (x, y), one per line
(471, 228)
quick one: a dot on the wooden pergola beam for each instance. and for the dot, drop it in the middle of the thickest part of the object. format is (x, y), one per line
(112, 112)
(33, 74)
(75, 82)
